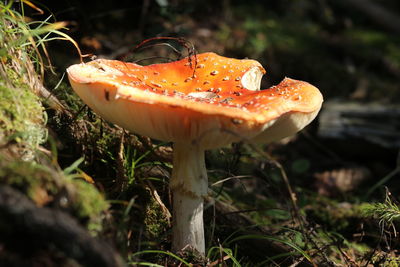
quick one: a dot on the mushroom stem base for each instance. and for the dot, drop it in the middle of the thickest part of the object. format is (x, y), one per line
(189, 185)
(188, 229)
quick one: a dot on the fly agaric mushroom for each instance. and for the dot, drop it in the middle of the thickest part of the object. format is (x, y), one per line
(198, 103)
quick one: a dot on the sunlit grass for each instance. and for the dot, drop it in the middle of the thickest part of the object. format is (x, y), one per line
(23, 40)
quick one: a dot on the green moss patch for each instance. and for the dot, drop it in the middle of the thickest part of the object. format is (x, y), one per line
(48, 187)
(21, 113)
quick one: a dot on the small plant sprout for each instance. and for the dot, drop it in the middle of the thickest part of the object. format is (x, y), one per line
(200, 106)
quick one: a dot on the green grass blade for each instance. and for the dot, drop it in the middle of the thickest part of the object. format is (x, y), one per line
(290, 244)
(228, 252)
(73, 166)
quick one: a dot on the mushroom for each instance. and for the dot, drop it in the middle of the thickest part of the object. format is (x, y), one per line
(198, 103)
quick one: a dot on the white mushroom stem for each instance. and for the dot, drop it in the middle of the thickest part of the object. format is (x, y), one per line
(189, 186)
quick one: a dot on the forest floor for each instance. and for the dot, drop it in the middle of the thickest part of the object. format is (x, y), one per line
(66, 174)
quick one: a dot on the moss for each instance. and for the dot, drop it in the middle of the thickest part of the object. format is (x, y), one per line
(385, 259)
(48, 187)
(155, 219)
(23, 128)
(21, 113)
(339, 217)
(34, 180)
(88, 199)
(88, 203)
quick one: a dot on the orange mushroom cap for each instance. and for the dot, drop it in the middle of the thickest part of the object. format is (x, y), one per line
(208, 99)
